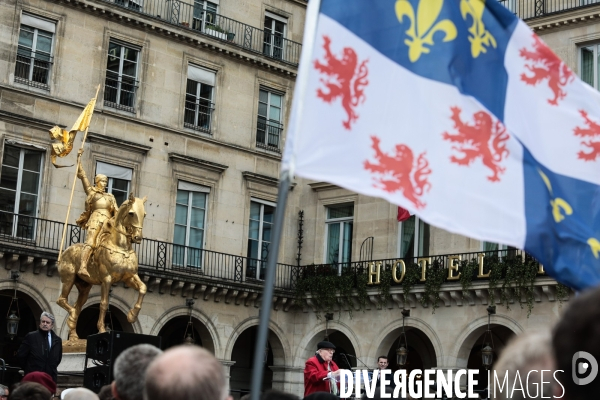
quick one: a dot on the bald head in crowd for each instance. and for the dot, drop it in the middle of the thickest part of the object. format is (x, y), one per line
(185, 373)
(81, 394)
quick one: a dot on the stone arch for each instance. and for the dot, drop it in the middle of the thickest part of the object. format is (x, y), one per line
(116, 302)
(209, 337)
(27, 307)
(390, 333)
(467, 339)
(308, 345)
(277, 339)
(35, 299)
(240, 353)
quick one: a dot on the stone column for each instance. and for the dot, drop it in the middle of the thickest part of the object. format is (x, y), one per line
(288, 379)
(227, 364)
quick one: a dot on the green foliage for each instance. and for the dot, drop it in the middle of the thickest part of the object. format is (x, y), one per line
(511, 278)
(410, 279)
(467, 270)
(436, 276)
(562, 293)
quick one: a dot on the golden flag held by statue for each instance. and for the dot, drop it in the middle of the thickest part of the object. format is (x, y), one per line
(62, 140)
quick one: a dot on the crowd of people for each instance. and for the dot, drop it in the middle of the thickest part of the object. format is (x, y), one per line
(568, 354)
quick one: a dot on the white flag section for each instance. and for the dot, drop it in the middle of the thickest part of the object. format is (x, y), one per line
(413, 141)
(549, 116)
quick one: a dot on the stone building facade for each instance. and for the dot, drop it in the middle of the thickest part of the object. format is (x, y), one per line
(192, 110)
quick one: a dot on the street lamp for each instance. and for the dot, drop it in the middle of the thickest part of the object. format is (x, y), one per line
(12, 320)
(402, 350)
(188, 337)
(487, 352)
(328, 317)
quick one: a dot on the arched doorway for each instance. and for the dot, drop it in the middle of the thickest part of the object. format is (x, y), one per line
(115, 320)
(500, 335)
(29, 311)
(176, 329)
(345, 353)
(421, 353)
(242, 355)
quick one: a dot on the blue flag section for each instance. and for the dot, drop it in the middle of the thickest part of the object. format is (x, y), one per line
(458, 44)
(563, 224)
(455, 111)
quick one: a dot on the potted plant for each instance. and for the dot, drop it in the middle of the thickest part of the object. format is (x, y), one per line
(216, 31)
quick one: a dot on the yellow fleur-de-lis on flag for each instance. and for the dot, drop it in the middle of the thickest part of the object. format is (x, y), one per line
(479, 37)
(558, 205)
(423, 26)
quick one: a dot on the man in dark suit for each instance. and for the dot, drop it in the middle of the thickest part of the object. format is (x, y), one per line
(41, 350)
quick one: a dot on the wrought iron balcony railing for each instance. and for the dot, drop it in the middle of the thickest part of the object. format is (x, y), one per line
(192, 16)
(487, 259)
(33, 70)
(37, 235)
(527, 9)
(40, 235)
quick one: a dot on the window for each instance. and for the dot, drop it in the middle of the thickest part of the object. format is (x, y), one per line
(121, 77)
(498, 249)
(262, 214)
(190, 220)
(132, 4)
(198, 99)
(19, 191)
(589, 65)
(410, 229)
(34, 53)
(205, 13)
(269, 127)
(275, 27)
(339, 222)
(119, 180)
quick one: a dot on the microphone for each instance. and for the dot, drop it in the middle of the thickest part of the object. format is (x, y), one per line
(356, 358)
(346, 358)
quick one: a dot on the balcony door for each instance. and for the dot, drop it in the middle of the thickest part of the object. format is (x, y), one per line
(262, 214)
(190, 221)
(19, 191)
(275, 30)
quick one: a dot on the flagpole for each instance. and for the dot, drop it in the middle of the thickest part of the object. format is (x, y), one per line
(287, 172)
(62, 240)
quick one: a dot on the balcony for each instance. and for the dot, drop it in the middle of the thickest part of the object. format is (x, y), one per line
(528, 9)
(26, 237)
(37, 237)
(187, 16)
(33, 69)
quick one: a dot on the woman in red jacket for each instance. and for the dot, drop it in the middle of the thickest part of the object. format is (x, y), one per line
(320, 372)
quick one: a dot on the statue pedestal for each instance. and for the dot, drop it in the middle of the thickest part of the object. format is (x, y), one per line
(72, 362)
(74, 346)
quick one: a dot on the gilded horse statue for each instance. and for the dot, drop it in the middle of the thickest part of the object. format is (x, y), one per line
(113, 260)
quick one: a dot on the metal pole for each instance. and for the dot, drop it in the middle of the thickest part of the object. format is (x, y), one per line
(62, 240)
(310, 31)
(265, 313)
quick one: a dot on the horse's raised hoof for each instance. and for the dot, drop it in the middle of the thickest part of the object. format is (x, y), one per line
(132, 315)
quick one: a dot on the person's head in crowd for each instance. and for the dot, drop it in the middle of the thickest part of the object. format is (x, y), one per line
(578, 330)
(321, 396)
(3, 392)
(278, 395)
(130, 370)
(46, 321)
(81, 394)
(42, 378)
(382, 362)
(105, 393)
(30, 391)
(186, 373)
(246, 397)
(325, 350)
(528, 354)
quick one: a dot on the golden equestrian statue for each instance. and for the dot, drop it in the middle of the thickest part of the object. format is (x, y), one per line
(106, 257)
